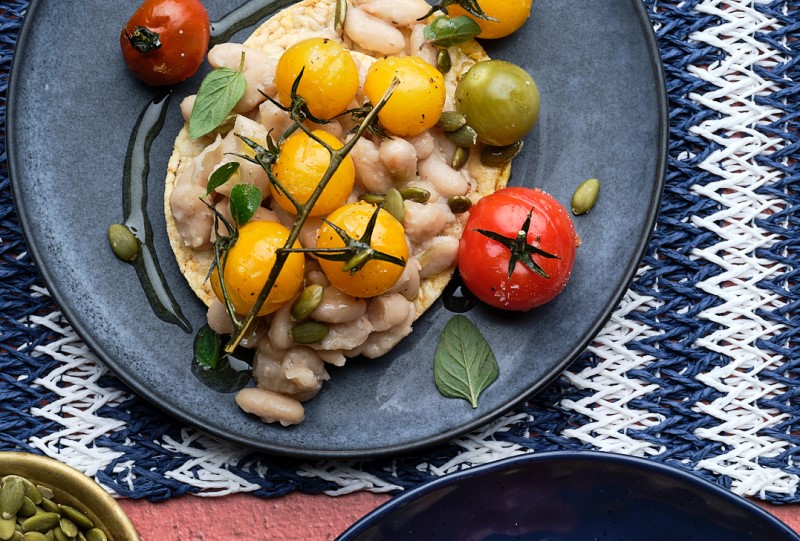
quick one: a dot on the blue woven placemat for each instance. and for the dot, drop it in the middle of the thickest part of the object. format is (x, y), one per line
(699, 367)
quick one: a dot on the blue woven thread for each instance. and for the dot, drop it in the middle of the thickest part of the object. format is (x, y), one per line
(672, 280)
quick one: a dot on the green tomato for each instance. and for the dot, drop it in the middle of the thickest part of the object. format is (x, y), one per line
(500, 101)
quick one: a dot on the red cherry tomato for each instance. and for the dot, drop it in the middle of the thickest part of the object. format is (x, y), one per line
(484, 261)
(165, 41)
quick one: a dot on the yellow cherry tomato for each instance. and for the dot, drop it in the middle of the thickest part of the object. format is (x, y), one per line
(376, 276)
(249, 263)
(300, 167)
(510, 15)
(330, 76)
(416, 103)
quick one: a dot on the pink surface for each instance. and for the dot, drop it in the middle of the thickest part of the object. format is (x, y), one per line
(296, 517)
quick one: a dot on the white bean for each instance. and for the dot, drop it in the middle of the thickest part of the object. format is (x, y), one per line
(193, 219)
(345, 336)
(388, 310)
(437, 255)
(271, 407)
(396, 12)
(372, 33)
(338, 307)
(408, 284)
(423, 221)
(380, 343)
(259, 71)
(418, 45)
(371, 173)
(400, 158)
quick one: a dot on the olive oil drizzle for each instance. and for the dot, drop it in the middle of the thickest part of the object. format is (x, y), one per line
(243, 17)
(134, 204)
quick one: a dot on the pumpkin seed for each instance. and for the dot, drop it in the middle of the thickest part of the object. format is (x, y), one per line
(465, 136)
(41, 522)
(49, 505)
(415, 194)
(7, 528)
(32, 492)
(585, 196)
(34, 536)
(76, 516)
(459, 204)
(394, 204)
(373, 198)
(80, 537)
(59, 534)
(443, 61)
(309, 332)
(451, 120)
(28, 508)
(96, 534)
(123, 243)
(50, 535)
(12, 496)
(460, 157)
(69, 528)
(494, 156)
(307, 302)
(47, 492)
(339, 15)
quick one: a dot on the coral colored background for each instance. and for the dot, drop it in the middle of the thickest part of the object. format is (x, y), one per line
(296, 517)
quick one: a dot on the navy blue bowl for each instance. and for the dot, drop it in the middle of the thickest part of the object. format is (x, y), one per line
(570, 496)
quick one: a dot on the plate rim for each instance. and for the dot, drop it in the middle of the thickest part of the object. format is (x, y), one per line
(584, 456)
(380, 451)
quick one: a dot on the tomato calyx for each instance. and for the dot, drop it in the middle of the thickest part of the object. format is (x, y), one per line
(470, 6)
(521, 250)
(356, 252)
(143, 40)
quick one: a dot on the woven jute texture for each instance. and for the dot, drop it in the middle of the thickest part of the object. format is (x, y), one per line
(698, 367)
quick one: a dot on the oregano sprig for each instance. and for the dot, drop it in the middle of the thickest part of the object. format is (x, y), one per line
(219, 92)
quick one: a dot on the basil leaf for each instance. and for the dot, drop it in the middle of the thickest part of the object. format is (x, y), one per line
(220, 176)
(446, 32)
(218, 94)
(464, 365)
(245, 200)
(207, 348)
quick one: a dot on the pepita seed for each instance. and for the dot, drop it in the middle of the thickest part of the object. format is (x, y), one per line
(309, 332)
(339, 15)
(460, 157)
(69, 528)
(7, 528)
(443, 61)
(465, 136)
(373, 198)
(49, 505)
(28, 508)
(494, 156)
(307, 302)
(75, 516)
(12, 496)
(32, 492)
(585, 196)
(34, 536)
(17, 536)
(41, 522)
(415, 194)
(451, 120)
(394, 204)
(123, 243)
(96, 534)
(46, 492)
(50, 535)
(59, 534)
(80, 537)
(459, 204)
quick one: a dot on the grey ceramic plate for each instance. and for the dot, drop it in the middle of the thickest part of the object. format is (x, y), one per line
(570, 496)
(72, 106)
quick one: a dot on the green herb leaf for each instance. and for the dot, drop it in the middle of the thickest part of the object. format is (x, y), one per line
(218, 94)
(464, 365)
(245, 200)
(446, 32)
(207, 348)
(220, 176)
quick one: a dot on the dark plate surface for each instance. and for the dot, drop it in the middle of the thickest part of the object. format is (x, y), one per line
(72, 107)
(570, 496)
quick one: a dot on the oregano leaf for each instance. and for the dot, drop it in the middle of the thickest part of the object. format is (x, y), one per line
(464, 365)
(221, 175)
(218, 94)
(207, 348)
(447, 32)
(245, 200)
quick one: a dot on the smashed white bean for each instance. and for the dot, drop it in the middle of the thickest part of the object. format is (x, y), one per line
(371, 173)
(437, 255)
(400, 158)
(193, 219)
(259, 72)
(380, 343)
(338, 307)
(396, 12)
(345, 336)
(437, 171)
(418, 45)
(388, 310)
(408, 283)
(423, 221)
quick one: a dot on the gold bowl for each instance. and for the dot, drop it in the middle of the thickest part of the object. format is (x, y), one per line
(72, 488)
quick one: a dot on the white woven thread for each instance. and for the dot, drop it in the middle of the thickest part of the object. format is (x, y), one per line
(735, 164)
